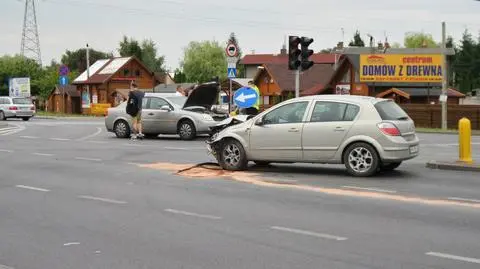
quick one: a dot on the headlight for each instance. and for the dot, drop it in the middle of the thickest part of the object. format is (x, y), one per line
(207, 117)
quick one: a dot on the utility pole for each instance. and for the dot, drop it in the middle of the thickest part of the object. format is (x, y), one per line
(444, 96)
(88, 74)
(30, 46)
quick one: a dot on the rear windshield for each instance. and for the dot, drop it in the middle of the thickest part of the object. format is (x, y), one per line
(389, 110)
(21, 101)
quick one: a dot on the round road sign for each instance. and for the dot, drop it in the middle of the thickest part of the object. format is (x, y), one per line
(232, 50)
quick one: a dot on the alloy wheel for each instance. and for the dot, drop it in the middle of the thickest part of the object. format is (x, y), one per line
(360, 159)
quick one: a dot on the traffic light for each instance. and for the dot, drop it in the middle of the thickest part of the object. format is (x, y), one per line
(306, 53)
(293, 52)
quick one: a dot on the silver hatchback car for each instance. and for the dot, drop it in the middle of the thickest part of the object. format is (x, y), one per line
(366, 134)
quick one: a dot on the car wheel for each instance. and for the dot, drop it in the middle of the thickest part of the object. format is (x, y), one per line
(121, 129)
(232, 156)
(261, 163)
(186, 130)
(361, 160)
(390, 166)
(2, 116)
(26, 118)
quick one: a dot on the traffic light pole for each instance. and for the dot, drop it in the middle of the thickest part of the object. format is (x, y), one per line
(297, 82)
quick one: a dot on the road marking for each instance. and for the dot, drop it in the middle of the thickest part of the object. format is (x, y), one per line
(42, 154)
(99, 130)
(303, 232)
(174, 148)
(6, 150)
(5, 267)
(369, 189)
(29, 137)
(60, 139)
(97, 142)
(174, 211)
(71, 244)
(106, 200)
(453, 257)
(133, 145)
(88, 159)
(464, 199)
(31, 188)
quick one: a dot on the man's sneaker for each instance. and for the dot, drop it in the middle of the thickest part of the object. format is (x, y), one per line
(133, 137)
(140, 136)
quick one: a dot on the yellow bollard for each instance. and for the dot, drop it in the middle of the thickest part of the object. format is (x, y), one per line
(464, 139)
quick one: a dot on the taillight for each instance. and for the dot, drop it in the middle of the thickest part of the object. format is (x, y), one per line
(32, 108)
(389, 129)
(13, 108)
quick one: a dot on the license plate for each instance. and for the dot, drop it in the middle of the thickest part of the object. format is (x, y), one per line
(413, 149)
(25, 108)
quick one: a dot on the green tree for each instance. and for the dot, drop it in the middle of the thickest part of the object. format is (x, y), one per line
(396, 45)
(179, 76)
(18, 66)
(77, 60)
(146, 51)
(419, 40)
(204, 60)
(130, 47)
(357, 40)
(467, 64)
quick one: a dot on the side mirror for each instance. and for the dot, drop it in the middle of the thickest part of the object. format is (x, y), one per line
(259, 122)
(166, 108)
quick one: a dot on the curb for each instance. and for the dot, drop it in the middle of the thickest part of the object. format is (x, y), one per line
(454, 166)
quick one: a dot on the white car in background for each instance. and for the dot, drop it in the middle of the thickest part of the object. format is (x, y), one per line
(16, 107)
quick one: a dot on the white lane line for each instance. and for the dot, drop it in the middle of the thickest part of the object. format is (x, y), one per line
(106, 200)
(303, 232)
(71, 244)
(133, 145)
(31, 188)
(5, 267)
(99, 130)
(96, 142)
(453, 257)
(6, 150)
(191, 214)
(175, 148)
(88, 159)
(59, 139)
(29, 137)
(368, 189)
(42, 154)
(464, 199)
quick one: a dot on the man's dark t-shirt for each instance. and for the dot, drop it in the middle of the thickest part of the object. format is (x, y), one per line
(134, 105)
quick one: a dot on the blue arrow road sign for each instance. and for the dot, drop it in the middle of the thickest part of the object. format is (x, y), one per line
(63, 80)
(245, 97)
(232, 72)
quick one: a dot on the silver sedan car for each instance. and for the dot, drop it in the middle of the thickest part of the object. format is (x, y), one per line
(366, 134)
(167, 113)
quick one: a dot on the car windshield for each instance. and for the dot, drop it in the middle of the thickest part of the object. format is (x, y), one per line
(389, 110)
(21, 101)
(178, 100)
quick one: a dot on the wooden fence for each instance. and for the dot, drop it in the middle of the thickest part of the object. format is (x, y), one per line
(430, 116)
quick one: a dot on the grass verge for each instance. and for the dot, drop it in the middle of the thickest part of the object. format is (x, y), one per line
(440, 131)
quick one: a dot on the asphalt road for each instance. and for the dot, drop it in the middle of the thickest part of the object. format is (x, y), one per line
(73, 196)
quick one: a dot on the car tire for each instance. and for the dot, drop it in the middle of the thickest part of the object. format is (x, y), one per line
(186, 130)
(389, 166)
(361, 160)
(261, 163)
(232, 156)
(26, 118)
(121, 129)
(2, 116)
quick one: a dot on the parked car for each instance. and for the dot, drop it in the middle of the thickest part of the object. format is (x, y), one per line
(366, 134)
(16, 107)
(167, 113)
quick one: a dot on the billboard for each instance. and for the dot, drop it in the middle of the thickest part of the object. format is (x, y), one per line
(19, 87)
(424, 68)
(342, 89)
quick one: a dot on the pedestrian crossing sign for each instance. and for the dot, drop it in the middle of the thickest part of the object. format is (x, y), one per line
(232, 72)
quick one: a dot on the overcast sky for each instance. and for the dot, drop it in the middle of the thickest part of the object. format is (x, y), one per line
(260, 25)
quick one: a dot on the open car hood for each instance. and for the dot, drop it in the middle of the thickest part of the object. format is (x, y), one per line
(204, 95)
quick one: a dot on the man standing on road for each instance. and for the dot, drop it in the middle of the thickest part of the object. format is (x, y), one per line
(134, 109)
(256, 107)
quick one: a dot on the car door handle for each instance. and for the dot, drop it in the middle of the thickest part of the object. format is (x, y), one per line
(293, 130)
(151, 114)
(339, 129)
